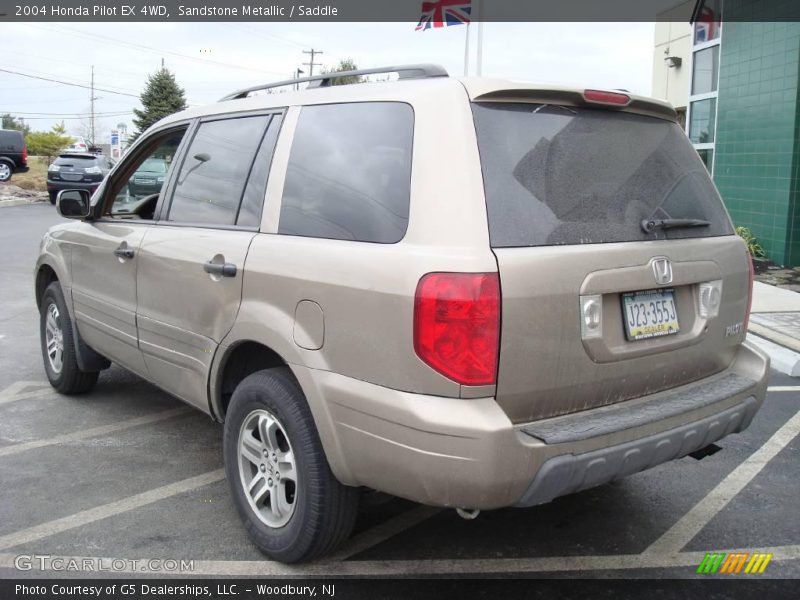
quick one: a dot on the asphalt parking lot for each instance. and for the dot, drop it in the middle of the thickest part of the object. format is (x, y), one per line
(128, 472)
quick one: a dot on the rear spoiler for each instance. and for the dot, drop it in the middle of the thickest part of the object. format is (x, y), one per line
(569, 97)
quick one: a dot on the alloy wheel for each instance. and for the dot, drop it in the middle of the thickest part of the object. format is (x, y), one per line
(54, 338)
(267, 468)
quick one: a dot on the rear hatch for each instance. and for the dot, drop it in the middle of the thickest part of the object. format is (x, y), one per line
(75, 167)
(620, 272)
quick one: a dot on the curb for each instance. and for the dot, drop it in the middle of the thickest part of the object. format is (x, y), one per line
(18, 202)
(782, 359)
(781, 339)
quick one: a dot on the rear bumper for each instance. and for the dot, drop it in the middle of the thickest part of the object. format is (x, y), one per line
(57, 186)
(467, 453)
(22, 169)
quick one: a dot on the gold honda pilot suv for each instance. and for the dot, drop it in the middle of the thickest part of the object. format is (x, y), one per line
(470, 293)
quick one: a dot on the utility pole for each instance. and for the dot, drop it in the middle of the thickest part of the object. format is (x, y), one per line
(312, 64)
(297, 73)
(92, 99)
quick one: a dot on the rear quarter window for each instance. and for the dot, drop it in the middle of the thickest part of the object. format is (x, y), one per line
(349, 173)
(564, 175)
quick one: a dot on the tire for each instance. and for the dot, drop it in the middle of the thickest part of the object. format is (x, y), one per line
(64, 375)
(317, 512)
(53, 197)
(6, 170)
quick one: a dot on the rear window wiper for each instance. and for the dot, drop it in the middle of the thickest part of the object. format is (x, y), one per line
(650, 225)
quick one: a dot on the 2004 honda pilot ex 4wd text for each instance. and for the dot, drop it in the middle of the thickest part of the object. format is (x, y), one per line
(468, 293)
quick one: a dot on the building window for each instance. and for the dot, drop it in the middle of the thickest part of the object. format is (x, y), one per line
(702, 121)
(706, 70)
(706, 28)
(707, 156)
(702, 114)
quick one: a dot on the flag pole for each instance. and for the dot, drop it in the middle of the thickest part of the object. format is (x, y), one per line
(479, 59)
(466, 52)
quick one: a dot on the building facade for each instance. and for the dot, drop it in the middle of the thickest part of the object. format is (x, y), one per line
(743, 114)
(673, 48)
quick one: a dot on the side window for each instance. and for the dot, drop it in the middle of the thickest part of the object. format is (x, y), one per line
(253, 199)
(216, 166)
(135, 192)
(349, 173)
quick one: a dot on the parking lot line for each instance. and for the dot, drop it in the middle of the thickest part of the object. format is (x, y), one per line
(14, 392)
(28, 395)
(96, 431)
(698, 517)
(380, 533)
(111, 509)
(458, 566)
(783, 388)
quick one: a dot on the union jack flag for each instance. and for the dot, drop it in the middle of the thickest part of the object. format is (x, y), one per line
(439, 13)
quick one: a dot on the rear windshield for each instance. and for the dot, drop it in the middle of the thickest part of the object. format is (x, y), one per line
(78, 161)
(154, 166)
(563, 175)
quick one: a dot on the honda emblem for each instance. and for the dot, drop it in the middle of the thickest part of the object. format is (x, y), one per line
(662, 270)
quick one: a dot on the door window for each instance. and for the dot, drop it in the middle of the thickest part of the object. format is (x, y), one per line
(216, 167)
(136, 192)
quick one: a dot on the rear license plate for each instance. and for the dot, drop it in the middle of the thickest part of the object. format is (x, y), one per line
(649, 314)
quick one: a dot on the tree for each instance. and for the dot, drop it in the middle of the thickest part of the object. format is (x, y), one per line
(346, 64)
(8, 121)
(101, 131)
(48, 143)
(162, 96)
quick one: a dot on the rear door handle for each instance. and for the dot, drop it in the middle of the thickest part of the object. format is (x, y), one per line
(223, 269)
(123, 252)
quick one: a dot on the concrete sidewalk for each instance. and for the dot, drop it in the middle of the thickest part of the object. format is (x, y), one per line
(775, 326)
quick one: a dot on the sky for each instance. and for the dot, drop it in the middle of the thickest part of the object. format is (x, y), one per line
(212, 59)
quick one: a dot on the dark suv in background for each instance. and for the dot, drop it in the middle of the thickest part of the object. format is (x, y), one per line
(76, 171)
(13, 154)
(148, 178)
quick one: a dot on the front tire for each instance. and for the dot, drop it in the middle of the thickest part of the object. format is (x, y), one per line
(292, 506)
(53, 196)
(58, 345)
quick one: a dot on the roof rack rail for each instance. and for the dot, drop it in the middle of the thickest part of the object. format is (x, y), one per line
(422, 71)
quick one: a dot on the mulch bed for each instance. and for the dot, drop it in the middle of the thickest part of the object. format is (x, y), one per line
(782, 277)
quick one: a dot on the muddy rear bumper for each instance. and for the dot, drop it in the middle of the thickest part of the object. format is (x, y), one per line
(568, 473)
(467, 453)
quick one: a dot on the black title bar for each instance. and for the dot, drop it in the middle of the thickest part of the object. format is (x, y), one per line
(382, 10)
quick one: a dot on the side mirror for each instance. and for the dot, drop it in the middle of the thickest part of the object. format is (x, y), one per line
(74, 204)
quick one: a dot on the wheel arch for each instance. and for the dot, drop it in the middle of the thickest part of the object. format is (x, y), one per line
(255, 355)
(45, 275)
(236, 362)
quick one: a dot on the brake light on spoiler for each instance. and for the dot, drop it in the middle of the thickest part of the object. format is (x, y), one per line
(607, 98)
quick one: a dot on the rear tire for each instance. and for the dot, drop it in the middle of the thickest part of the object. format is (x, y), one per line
(311, 513)
(6, 170)
(58, 345)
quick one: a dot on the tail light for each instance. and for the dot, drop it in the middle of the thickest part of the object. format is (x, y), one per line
(457, 325)
(25, 155)
(750, 276)
(602, 97)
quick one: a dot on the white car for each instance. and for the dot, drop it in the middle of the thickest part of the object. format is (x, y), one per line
(79, 145)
